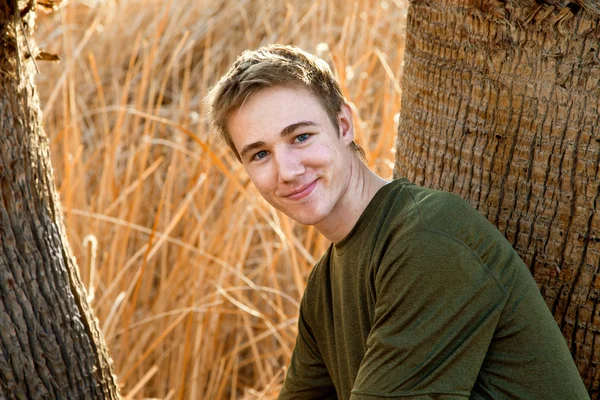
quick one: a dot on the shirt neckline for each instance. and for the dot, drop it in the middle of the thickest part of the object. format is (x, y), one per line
(360, 225)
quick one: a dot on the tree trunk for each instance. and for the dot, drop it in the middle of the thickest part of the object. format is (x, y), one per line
(50, 344)
(501, 106)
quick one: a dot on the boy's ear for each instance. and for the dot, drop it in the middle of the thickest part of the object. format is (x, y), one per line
(346, 124)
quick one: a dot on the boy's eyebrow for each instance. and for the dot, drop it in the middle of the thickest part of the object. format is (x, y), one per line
(249, 147)
(291, 128)
(284, 132)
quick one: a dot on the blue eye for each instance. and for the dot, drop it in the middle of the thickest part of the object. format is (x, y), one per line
(260, 155)
(303, 137)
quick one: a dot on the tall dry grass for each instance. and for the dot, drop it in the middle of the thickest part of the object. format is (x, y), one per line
(194, 278)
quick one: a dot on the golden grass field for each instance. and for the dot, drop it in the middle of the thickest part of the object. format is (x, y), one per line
(194, 278)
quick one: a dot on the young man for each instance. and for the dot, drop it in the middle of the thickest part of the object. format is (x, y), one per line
(418, 296)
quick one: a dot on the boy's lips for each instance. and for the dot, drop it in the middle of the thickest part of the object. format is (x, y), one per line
(301, 192)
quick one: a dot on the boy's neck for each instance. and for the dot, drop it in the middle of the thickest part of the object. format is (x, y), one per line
(361, 189)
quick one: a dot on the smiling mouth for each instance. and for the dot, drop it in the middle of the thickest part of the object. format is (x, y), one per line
(302, 192)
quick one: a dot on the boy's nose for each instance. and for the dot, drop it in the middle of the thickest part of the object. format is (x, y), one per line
(289, 167)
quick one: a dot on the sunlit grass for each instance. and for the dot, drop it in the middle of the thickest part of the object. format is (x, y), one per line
(194, 278)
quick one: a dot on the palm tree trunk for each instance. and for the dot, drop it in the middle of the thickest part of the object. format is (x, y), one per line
(50, 344)
(501, 105)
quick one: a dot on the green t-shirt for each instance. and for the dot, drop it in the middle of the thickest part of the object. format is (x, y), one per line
(426, 299)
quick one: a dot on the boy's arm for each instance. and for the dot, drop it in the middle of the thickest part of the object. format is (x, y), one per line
(307, 376)
(437, 307)
(446, 328)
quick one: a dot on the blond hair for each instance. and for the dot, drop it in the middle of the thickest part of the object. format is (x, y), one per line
(270, 66)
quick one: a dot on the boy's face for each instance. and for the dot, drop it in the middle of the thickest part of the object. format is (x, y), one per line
(295, 157)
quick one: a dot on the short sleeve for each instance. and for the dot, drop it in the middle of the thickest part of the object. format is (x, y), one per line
(436, 310)
(307, 376)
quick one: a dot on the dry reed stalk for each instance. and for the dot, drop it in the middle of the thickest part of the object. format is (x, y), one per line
(195, 279)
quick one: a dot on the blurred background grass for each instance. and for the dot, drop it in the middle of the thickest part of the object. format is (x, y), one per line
(194, 278)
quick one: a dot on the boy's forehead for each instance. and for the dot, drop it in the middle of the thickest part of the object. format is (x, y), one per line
(272, 109)
(279, 95)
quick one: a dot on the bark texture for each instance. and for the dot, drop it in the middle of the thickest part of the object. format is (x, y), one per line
(501, 106)
(50, 344)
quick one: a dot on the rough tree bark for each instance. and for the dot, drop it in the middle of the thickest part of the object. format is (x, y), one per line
(50, 344)
(501, 105)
